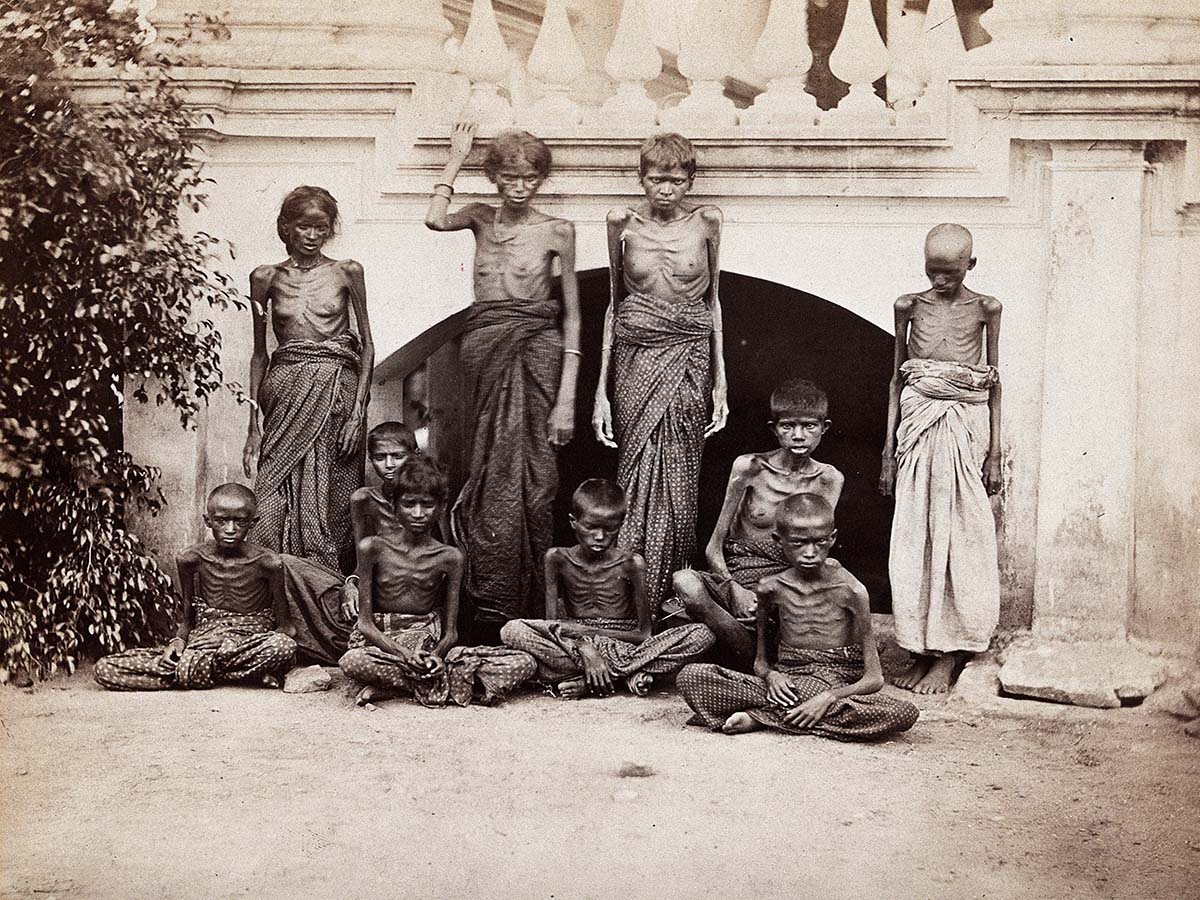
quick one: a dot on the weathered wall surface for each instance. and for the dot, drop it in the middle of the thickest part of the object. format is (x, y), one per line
(1077, 173)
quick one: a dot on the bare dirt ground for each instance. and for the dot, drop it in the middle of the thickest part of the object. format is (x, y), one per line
(241, 792)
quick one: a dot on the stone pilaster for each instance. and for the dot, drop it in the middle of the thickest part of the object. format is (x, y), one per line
(1084, 582)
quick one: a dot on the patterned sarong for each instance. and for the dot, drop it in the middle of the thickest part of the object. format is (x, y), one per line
(558, 655)
(661, 388)
(503, 519)
(715, 693)
(497, 670)
(314, 602)
(748, 562)
(943, 566)
(224, 647)
(303, 487)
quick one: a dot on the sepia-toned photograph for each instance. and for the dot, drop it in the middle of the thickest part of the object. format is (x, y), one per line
(600, 449)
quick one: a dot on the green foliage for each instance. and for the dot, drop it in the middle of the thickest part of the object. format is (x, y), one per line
(100, 289)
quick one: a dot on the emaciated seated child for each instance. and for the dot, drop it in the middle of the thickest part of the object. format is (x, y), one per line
(826, 675)
(741, 549)
(604, 636)
(408, 609)
(232, 603)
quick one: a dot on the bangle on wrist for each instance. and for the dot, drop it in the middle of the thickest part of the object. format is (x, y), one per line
(353, 578)
(572, 352)
(448, 187)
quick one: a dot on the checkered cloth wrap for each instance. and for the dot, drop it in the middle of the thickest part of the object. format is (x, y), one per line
(303, 486)
(224, 647)
(483, 673)
(503, 519)
(715, 693)
(661, 388)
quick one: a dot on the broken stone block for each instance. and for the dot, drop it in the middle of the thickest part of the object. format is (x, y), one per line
(1086, 674)
(979, 680)
(307, 679)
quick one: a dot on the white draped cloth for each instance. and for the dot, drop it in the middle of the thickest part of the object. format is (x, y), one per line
(943, 567)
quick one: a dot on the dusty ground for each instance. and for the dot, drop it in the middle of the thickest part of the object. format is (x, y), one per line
(254, 793)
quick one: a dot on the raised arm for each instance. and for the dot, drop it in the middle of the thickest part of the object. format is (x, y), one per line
(602, 423)
(562, 416)
(743, 471)
(439, 217)
(450, 585)
(901, 315)
(260, 286)
(992, 473)
(720, 388)
(351, 435)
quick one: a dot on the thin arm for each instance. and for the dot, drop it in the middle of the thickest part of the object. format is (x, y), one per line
(571, 317)
(992, 311)
(872, 677)
(260, 283)
(551, 570)
(714, 301)
(186, 564)
(358, 303)
(744, 468)
(762, 622)
(901, 314)
(366, 598)
(450, 584)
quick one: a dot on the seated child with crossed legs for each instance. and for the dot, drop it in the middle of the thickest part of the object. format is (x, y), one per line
(232, 623)
(605, 635)
(407, 625)
(826, 676)
(741, 549)
(372, 510)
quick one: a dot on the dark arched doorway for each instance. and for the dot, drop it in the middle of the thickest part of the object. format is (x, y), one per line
(772, 333)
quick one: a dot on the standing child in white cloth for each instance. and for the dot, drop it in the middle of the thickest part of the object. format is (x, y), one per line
(941, 458)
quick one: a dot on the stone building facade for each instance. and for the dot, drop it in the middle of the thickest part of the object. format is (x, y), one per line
(1069, 145)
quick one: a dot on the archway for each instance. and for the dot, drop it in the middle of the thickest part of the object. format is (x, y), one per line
(772, 333)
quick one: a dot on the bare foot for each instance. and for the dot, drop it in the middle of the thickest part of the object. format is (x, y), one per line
(937, 680)
(573, 689)
(740, 723)
(366, 696)
(271, 681)
(639, 683)
(916, 671)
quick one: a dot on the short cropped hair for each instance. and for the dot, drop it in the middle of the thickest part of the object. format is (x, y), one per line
(799, 397)
(421, 475)
(597, 493)
(233, 491)
(392, 431)
(802, 506)
(295, 203)
(511, 147)
(665, 151)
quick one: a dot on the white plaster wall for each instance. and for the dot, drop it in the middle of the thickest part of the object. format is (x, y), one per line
(860, 255)
(1166, 607)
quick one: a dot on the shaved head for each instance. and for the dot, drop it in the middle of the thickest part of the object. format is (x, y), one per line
(803, 508)
(948, 241)
(233, 494)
